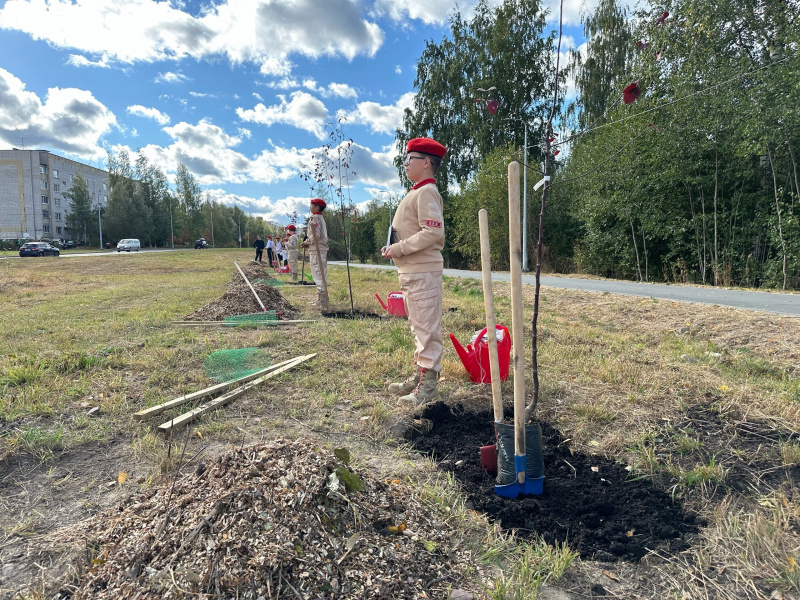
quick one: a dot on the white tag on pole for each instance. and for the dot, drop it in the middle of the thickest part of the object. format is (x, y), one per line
(540, 183)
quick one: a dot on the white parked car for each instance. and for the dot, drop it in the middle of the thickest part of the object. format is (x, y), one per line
(128, 245)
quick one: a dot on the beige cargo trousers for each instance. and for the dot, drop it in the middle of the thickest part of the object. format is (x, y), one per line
(422, 296)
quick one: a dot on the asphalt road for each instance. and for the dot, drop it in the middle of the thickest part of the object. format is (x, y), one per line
(773, 302)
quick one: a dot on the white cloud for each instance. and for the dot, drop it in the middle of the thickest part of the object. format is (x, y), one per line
(171, 78)
(149, 113)
(398, 70)
(69, 119)
(381, 118)
(302, 111)
(130, 31)
(78, 60)
(430, 13)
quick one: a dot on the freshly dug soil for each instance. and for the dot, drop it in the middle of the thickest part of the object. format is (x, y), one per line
(239, 299)
(281, 519)
(589, 503)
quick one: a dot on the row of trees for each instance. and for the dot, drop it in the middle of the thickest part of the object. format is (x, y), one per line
(694, 181)
(142, 204)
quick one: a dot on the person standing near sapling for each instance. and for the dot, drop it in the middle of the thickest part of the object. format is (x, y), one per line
(417, 253)
(259, 246)
(317, 244)
(291, 248)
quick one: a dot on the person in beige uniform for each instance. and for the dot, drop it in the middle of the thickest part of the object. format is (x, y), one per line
(291, 248)
(317, 244)
(419, 223)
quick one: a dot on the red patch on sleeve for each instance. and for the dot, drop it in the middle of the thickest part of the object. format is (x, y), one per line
(432, 223)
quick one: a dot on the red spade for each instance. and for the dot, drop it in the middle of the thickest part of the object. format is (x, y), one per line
(492, 106)
(662, 18)
(556, 152)
(631, 93)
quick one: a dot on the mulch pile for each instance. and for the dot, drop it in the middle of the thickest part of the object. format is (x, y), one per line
(239, 299)
(281, 519)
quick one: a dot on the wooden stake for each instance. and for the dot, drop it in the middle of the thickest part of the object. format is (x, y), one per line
(188, 417)
(491, 327)
(209, 391)
(261, 304)
(515, 248)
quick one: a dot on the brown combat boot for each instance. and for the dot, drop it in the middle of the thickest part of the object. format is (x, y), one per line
(426, 390)
(407, 386)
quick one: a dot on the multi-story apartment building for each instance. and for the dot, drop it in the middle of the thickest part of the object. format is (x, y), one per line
(32, 186)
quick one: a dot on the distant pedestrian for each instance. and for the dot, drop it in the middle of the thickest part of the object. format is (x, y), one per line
(291, 249)
(259, 246)
(417, 253)
(278, 252)
(317, 244)
(270, 251)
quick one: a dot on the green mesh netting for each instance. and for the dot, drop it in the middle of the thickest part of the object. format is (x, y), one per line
(226, 365)
(262, 317)
(272, 282)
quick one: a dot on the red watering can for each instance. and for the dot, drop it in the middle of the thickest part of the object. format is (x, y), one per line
(476, 356)
(394, 304)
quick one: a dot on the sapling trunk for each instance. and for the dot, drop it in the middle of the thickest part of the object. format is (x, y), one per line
(547, 132)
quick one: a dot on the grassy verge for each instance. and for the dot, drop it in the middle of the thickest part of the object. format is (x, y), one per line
(619, 375)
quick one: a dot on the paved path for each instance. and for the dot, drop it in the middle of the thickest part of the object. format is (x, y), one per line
(785, 304)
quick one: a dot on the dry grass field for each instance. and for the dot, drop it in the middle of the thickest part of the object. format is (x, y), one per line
(700, 401)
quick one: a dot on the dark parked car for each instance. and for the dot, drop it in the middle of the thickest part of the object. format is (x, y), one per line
(38, 249)
(201, 243)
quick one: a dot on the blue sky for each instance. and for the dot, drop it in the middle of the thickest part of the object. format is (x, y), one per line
(238, 91)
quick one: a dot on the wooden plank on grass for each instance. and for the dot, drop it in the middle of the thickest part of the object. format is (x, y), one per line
(188, 417)
(209, 391)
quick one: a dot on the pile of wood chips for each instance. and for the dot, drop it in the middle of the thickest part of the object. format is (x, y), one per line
(238, 299)
(274, 520)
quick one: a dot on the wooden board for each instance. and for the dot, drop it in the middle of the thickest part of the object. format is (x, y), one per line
(188, 417)
(209, 391)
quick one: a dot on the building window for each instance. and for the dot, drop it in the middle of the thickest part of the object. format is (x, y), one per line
(46, 228)
(58, 216)
(55, 174)
(105, 187)
(43, 169)
(43, 184)
(58, 230)
(45, 200)
(70, 176)
(45, 214)
(57, 201)
(56, 187)
(92, 182)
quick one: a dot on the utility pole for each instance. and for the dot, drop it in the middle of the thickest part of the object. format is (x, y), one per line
(100, 224)
(211, 211)
(171, 232)
(525, 201)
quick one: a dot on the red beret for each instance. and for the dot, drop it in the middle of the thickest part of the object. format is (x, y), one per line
(319, 202)
(291, 227)
(426, 146)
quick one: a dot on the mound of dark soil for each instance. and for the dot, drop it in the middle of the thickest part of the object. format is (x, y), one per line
(285, 520)
(589, 503)
(239, 299)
